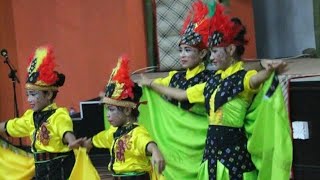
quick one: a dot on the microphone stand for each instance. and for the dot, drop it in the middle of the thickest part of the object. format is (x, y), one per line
(12, 75)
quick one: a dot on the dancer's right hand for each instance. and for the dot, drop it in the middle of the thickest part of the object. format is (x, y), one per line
(144, 81)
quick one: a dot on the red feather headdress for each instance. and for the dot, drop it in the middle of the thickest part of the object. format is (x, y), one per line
(195, 30)
(41, 70)
(222, 30)
(119, 90)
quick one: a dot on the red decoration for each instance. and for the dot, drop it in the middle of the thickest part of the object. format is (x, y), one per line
(46, 69)
(198, 15)
(122, 76)
(221, 23)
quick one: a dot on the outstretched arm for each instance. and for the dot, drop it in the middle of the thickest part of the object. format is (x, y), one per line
(157, 158)
(264, 74)
(253, 65)
(260, 64)
(87, 143)
(71, 140)
(174, 93)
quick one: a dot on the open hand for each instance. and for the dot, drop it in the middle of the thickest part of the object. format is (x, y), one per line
(76, 143)
(144, 80)
(158, 161)
(278, 65)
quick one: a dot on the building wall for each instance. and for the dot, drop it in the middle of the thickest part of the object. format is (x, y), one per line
(8, 41)
(283, 28)
(244, 10)
(87, 36)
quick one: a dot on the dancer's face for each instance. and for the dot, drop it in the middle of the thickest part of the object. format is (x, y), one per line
(190, 57)
(220, 58)
(38, 100)
(116, 115)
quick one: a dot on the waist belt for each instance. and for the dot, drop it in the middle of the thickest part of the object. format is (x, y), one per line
(49, 156)
(144, 176)
(225, 136)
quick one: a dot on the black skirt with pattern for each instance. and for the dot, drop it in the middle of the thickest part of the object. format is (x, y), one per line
(227, 145)
(58, 168)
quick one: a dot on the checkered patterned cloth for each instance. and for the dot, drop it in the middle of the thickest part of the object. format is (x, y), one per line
(284, 82)
(170, 16)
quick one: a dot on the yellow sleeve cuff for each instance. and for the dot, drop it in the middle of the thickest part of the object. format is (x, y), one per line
(246, 82)
(20, 127)
(166, 80)
(195, 93)
(63, 122)
(142, 139)
(104, 138)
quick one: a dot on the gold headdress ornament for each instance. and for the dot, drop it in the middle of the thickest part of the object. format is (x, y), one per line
(41, 74)
(121, 90)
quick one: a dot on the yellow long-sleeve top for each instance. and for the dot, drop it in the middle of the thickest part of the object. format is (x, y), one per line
(231, 113)
(184, 80)
(129, 149)
(189, 74)
(49, 136)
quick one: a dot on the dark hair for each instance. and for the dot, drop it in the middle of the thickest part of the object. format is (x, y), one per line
(61, 79)
(59, 83)
(134, 112)
(240, 38)
(54, 94)
(137, 93)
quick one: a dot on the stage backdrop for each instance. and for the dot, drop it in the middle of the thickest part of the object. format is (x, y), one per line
(88, 37)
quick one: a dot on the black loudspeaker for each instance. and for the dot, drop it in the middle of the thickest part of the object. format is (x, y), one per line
(304, 103)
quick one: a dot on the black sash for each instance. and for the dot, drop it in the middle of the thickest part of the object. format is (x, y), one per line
(179, 80)
(228, 88)
(38, 119)
(273, 86)
(116, 135)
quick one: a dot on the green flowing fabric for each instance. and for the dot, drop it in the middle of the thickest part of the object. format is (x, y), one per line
(269, 138)
(268, 128)
(180, 135)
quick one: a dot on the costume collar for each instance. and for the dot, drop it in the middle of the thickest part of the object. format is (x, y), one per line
(50, 107)
(195, 71)
(124, 129)
(231, 69)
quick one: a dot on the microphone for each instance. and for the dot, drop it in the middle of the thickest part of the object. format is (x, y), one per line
(4, 53)
(12, 73)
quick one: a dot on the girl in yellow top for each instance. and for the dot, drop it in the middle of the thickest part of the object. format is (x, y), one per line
(193, 48)
(130, 144)
(227, 96)
(48, 126)
(193, 51)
